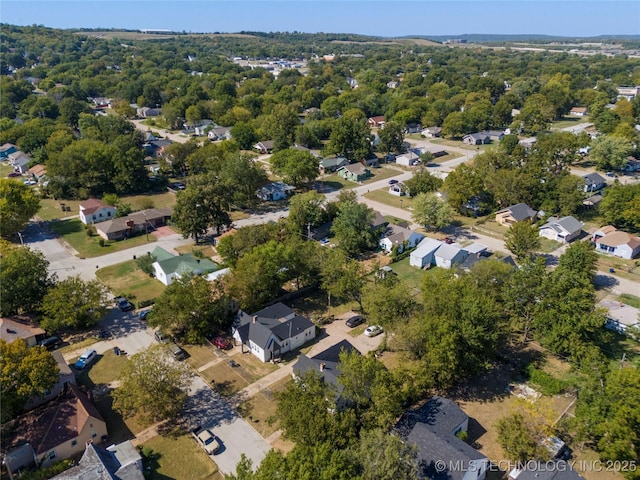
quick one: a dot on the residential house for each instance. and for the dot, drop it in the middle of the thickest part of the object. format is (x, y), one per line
(432, 132)
(355, 172)
(13, 328)
(617, 243)
(38, 172)
(65, 375)
(413, 128)
(305, 149)
(578, 111)
(379, 222)
(620, 316)
(217, 274)
(397, 189)
(515, 213)
(272, 331)
(555, 470)
(471, 260)
(159, 147)
(326, 365)
(200, 128)
(393, 84)
(331, 164)
(449, 255)
(408, 159)
(19, 160)
(528, 142)
(219, 133)
(435, 150)
(148, 112)
(144, 221)
(632, 165)
(592, 201)
(628, 93)
(400, 237)
(116, 462)
(424, 254)
(483, 137)
(594, 182)
(433, 429)
(60, 429)
(274, 191)
(168, 267)
(372, 161)
(561, 230)
(376, 122)
(6, 150)
(96, 211)
(264, 147)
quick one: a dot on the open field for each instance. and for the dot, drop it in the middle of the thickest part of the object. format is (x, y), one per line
(179, 457)
(73, 232)
(568, 121)
(383, 196)
(128, 280)
(106, 369)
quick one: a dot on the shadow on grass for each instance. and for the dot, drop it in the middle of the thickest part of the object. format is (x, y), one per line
(65, 227)
(226, 388)
(151, 464)
(118, 430)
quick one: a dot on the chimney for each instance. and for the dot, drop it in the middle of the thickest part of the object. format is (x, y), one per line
(255, 318)
(322, 365)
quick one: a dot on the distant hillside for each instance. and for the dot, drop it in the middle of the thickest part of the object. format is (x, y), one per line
(525, 37)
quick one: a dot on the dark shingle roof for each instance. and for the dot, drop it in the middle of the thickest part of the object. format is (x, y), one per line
(520, 211)
(292, 327)
(559, 470)
(331, 360)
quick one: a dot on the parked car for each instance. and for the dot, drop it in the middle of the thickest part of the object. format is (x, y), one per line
(355, 321)
(373, 330)
(50, 343)
(207, 440)
(324, 241)
(161, 337)
(143, 314)
(124, 304)
(222, 343)
(611, 174)
(393, 181)
(30, 182)
(85, 359)
(177, 352)
(178, 186)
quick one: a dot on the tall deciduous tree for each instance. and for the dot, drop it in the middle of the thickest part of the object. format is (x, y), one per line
(74, 303)
(429, 210)
(152, 385)
(342, 277)
(295, 166)
(610, 152)
(621, 206)
(352, 227)
(18, 204)
(350, 137)
(391, 138)
(422, 182)
(523, 292)
(24, 279)
(522, 239)
(387, 457)
(24, 373)
(305, 210)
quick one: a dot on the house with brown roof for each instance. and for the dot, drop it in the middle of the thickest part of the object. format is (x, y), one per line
(515, 213)
(95, 211)
(376, 122)
(143, 221)
(59, 429)
(13, 328)
(37, 171)
(578, 111)
(614, 242)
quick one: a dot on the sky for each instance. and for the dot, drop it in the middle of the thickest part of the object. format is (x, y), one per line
(384, 18)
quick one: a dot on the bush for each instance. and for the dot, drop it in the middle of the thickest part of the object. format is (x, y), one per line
(48, 472)
(101, 242)
(548, 384)
(91, 230)
(146, 203)
(146, 303)
(145, 263)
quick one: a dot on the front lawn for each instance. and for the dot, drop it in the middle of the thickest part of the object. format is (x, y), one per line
(548, 246)
(568, 121)
(412, 276)
(261, 407)
(128, 280)
(179, 457)
(631, 300)
(226, 379)
(73, 232)
(383, 196)
(51, 209)
(199, 355)
(106, 369)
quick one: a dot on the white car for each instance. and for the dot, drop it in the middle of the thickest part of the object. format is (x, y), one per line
(207, 440)
(373, 330)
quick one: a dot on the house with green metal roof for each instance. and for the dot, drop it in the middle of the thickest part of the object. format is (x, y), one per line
(168, 267)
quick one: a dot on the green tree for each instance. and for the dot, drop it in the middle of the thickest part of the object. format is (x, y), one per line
(280, 126)
(74, 303)
(350, 137)
(352, 228)
(244, 134)
(342, 277)
(522, 239)
(295, 166)
(192, 308)
(245, 239)
(306, 209)
(387, 457)
(25, 372)
(389, 303)
(463, 185)
(18, 204)
(429, 210)
(621, 206)
(610, 152)
(517, 441)
(24, 280)
(391, 138)
(523, 292)
(153, 386)
(422, 182)
(535, 115)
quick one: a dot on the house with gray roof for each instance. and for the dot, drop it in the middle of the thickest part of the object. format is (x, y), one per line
(620, 316)
(424, 254)
(515, 213)
(274, 191)
(433, 429)
(19, 160)
(219, 133)
(482, 138)
(117, 462)
(556, 470)
(355, 172)
(144, 221)
(561, 230)
(449, 255)
(331, 164)
(272, 331)
(400, 237)
(326, 365)
(167, 267)
(594, 182)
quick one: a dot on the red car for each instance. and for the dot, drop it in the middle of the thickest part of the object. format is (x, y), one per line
(222, 343)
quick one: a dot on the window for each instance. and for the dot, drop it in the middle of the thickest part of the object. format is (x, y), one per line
(74, 443)
(94, 434)
(51, 455)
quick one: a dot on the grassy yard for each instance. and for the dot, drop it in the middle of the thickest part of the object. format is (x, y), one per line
(631, 300)
(227, 380)
(262, 406)
(104, 370)
(623, 268)
(548, 246)
(253, 366)
(412, 276)
(199, 355)
(180, 457)
(6, 169)
(73, 232)
(385, 197)
(87, 342)
(568, 121)
(50, 209)
(207, 250)
(128, 280)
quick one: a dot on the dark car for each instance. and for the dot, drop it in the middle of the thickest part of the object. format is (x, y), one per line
(355, 321)
(143, 314)
(222, 343)
(393, 181)
(178, 186)
(124, 304)
(50, 343)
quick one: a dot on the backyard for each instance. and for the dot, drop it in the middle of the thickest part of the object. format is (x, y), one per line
(74, 233)
(383, 196)
(412, 276)
(179, 457)
(262, 406)
(128, 280)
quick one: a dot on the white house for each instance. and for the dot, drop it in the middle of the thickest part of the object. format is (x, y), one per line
(96, 211)
(397, 189)
(561, 230)
(408, 159)
(272, 331)
(168, 268)
(610, 241)
(275, 191)
(423, 255)
(620, 316)
(401, 237)
(432, 132)
(593, 182)
(449, 255)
